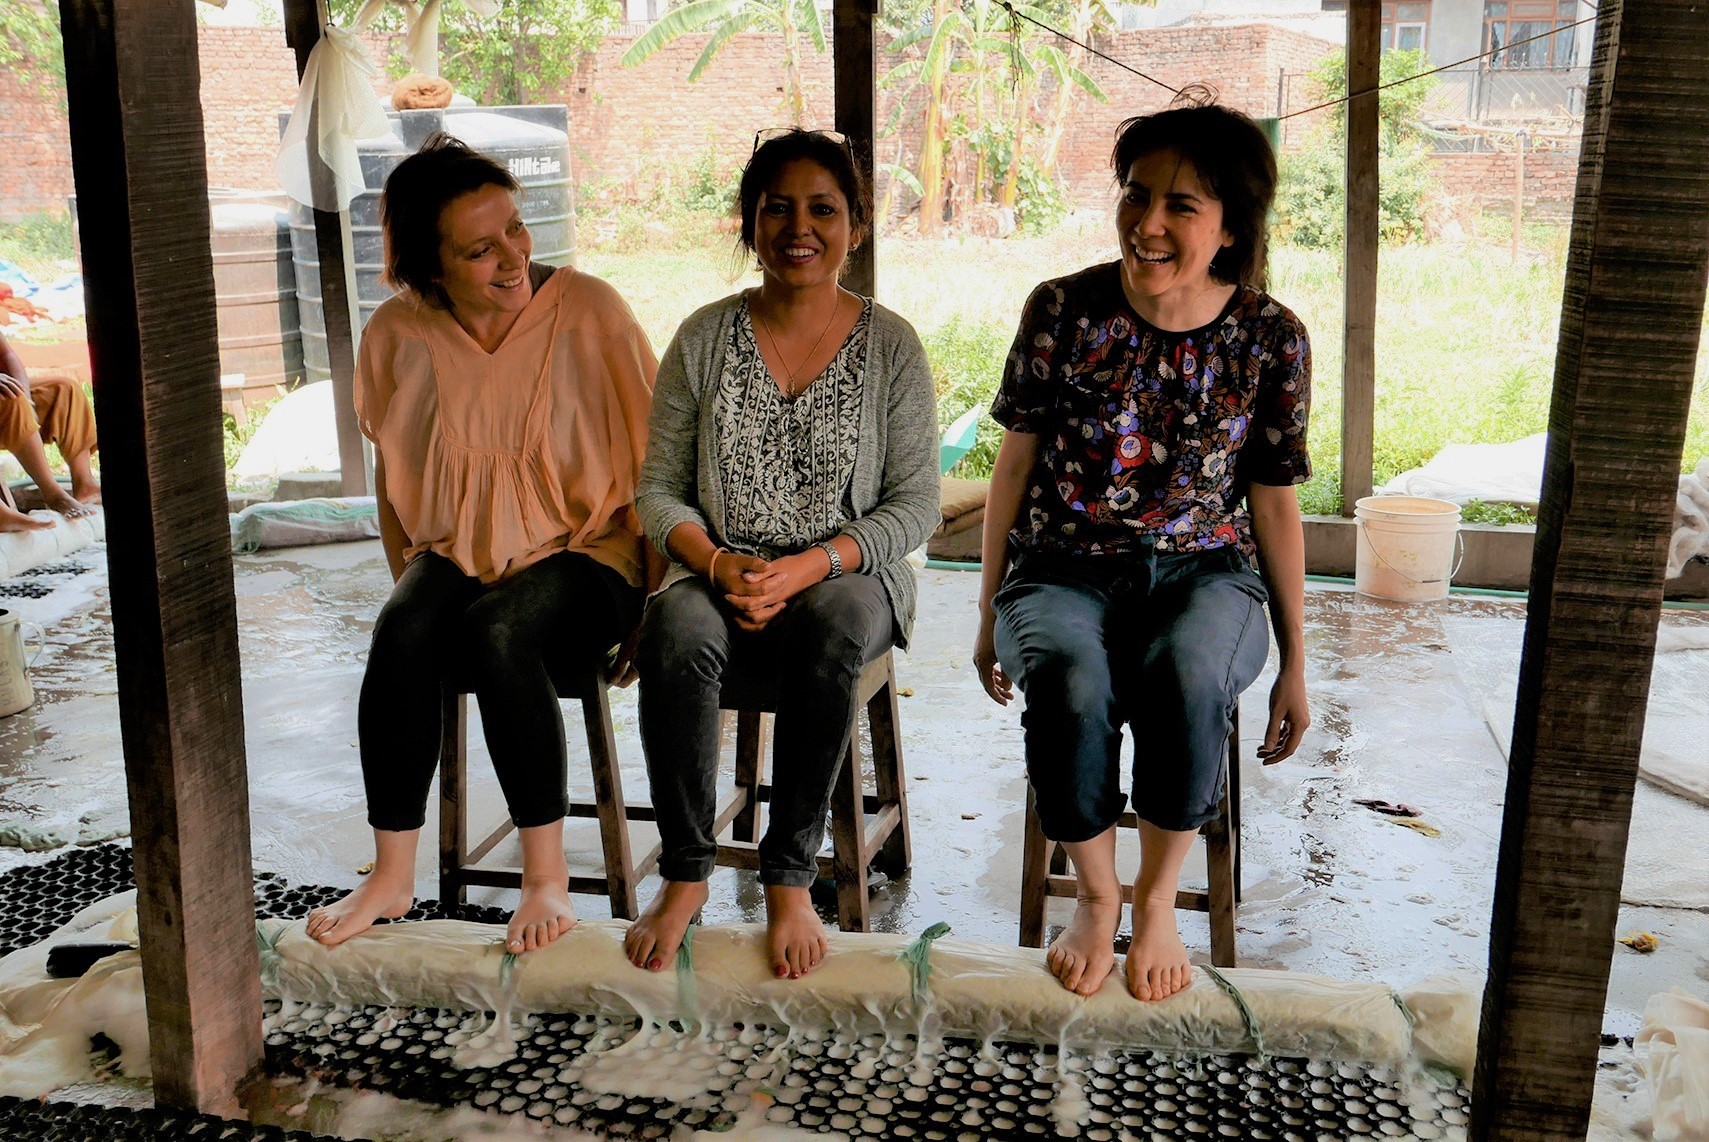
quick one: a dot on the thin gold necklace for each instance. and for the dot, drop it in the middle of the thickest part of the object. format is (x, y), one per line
(765, 327)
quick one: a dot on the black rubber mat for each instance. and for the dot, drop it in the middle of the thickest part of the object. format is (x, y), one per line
(68, 1122)
(39, 582)
(856, 1085)
(38, 898)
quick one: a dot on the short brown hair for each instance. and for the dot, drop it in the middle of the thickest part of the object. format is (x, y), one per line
(1234, 161)
(416, 194)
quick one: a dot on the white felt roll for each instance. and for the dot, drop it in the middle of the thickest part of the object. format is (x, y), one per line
(976, 990)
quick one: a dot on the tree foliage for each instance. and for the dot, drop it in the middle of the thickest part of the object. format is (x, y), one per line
(526, 52)
(1312, 195)
(29, 38)
(995, 94)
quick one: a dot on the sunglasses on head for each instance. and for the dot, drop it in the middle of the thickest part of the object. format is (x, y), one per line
(766, 135)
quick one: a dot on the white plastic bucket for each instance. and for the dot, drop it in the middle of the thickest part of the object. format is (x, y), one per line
(1406, 547)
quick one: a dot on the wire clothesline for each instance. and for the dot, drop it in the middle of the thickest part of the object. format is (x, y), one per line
(1016, 14)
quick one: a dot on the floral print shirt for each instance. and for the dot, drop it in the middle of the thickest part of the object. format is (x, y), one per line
(1145, 433)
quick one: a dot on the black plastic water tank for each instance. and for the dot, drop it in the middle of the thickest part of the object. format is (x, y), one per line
(533, 142)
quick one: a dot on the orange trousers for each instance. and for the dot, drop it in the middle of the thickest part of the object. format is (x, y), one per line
(56, 409)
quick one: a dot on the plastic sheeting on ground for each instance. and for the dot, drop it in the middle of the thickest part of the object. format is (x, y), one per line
(1676, 1028)
(1509, 473)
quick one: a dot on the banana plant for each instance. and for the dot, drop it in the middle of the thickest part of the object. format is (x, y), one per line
(793, 19)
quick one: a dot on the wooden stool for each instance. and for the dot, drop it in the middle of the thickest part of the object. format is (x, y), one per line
(1045, 873)
(457, 862)
(866, 829)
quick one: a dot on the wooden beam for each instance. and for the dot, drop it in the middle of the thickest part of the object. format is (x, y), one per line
(304, 20)
(1359, 335)
(142, 196)
(1631, 319)
(855, 63)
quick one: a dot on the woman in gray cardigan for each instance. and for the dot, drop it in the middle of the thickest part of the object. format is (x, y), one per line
(791, 467)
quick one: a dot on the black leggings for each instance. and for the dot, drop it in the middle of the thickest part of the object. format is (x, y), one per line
(505, 640)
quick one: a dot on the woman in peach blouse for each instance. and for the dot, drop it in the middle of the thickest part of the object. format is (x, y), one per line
(508, 404)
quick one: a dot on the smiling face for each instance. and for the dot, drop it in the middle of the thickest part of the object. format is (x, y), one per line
(1169, 228)
(802, 228)
(483, 254)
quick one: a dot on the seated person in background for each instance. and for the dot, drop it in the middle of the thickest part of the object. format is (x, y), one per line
(51, 410)
(1155, 410)
(507, 402)
(791, 467)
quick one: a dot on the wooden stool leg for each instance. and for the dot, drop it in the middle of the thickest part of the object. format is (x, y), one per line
(750, 756)
(1234, 797)
(896, 856)
(848, 842)
(608, 797)
(1219, 858)
(453, 808)
(1034, 868)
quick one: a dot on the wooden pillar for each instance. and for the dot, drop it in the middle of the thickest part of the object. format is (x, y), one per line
(1631, 319)
(304, 20)
(142, 195)
(1359, 335)
(855, 64)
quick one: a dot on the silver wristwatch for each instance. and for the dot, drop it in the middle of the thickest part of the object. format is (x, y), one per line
(830, 550)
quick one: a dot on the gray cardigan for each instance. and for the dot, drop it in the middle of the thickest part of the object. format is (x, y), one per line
(894, 488)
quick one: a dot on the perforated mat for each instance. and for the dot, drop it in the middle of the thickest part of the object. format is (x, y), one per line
(859, 1086)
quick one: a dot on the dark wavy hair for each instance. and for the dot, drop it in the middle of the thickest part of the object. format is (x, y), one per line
(416, 194)
(778, 152)
(1235, 163)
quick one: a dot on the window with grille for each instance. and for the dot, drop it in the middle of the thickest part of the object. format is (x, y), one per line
(1543, 23)
(1406, 25)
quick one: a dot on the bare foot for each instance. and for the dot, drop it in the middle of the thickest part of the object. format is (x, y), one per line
(87, 493)
(11, 519)
(653, 940)
(63, 502)
(544, 914)
(1083, 956)
(794, 935)
(1157, 964)
(356, 913)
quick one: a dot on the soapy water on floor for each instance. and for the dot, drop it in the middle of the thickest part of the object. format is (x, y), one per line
(1330, 887)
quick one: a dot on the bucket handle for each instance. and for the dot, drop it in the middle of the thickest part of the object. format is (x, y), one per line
(1459, 559)
(41, 643)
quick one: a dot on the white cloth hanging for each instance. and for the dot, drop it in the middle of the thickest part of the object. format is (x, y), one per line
(337, 97)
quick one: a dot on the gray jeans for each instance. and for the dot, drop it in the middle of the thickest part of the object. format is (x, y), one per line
(1165, 643)
(815, 649)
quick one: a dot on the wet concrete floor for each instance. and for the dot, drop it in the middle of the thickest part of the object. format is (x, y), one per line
(1399, 696)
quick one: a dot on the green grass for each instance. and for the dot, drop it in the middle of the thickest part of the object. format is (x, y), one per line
(1465, 339)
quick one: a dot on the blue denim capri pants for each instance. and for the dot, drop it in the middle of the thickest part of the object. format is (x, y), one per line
(1163, 642)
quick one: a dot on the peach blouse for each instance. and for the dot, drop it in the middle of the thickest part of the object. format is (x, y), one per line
(499, 460)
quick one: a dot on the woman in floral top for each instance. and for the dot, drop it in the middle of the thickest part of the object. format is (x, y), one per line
(1155, 410)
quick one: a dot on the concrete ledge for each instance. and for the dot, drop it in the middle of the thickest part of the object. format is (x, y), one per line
(1496, 557)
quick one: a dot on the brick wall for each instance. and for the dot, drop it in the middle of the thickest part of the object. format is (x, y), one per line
(35, 146)
(630, 125)
(248, 77)
(1244, 59)
(1485, 181)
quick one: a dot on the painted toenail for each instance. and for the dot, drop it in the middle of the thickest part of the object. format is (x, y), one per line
(655, 963)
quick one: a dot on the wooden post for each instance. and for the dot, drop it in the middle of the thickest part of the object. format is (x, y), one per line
(142, 193)
(1631, 319)
(1518, 193)
(855, 64)
(304, 20)
(1359, 336)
